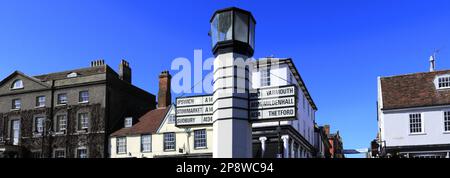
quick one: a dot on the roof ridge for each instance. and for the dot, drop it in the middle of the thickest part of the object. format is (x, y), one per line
(70, 70)
(417, 73)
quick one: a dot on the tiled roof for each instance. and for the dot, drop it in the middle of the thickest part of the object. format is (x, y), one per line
(148, 124)
(413, 90)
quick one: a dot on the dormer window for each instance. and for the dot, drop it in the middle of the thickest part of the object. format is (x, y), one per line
(442, 82)
(72, 75)
(17, 84)
(128, 122)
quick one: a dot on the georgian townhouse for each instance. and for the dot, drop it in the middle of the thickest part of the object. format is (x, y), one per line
(296, 136)
(67, 114)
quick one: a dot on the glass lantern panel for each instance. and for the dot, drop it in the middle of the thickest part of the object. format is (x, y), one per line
(221, 28)
(241, 27)
(252, 34)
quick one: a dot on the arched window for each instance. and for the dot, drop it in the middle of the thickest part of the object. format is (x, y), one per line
(17, 84)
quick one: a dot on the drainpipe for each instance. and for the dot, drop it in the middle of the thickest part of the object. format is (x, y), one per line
(45, 131)
(52, 108)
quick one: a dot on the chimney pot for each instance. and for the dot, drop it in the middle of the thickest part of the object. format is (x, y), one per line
(327, 129)
(432, 63)
(96, 63)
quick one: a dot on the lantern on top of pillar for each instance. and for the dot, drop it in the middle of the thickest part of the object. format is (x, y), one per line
(233, 30)
(233, 38)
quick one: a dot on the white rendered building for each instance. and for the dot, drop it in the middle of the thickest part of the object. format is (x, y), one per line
(414, 115)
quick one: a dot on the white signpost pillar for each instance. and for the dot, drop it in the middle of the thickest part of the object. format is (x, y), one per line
(232, 130)
(232, 33)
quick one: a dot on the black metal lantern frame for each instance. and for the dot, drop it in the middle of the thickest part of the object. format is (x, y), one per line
(235, 43)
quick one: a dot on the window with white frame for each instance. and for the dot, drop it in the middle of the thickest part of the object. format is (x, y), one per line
(444, 82)
(83, 121)
(304, 128)
(16, 104)
(82, 153)
(169, 141)
(265, 77)
(62, 98)
(309, 134)
(308, 108)
(15, 131)
(39, 124)
(128, 122)
(200, 138)
(447, 121)
(171, 119)
(304, 102)
(415, 123)
(40, 101)
(291, 79)
(83, 97)
(17, 84)
(60, 153)
(146, 143)
(121, 145)
(61, 122)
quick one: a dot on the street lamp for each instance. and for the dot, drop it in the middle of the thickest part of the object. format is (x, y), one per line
(233, 30)
(233, 38)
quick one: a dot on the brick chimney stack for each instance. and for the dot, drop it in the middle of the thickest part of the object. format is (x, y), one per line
(164, 93)
(125, 71)
(327, 129)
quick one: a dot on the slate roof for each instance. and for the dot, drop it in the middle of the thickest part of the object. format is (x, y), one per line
(81, 72)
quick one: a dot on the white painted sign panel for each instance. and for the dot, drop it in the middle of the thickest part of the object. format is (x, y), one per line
(273, 103)
(270, 114)
(194, 110)
(195, 101)
(194, 120)
(281, 91)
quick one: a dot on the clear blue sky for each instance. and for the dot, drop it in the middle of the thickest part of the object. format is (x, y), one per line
(339, 47)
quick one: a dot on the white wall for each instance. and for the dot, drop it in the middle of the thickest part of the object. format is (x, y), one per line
(397, 132)
(181, 138)
(305, 121)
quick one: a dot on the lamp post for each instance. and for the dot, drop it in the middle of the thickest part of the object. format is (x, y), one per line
(233, 41)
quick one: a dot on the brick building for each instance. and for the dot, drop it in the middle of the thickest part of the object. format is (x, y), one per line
(336, 143)
(68, 114)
